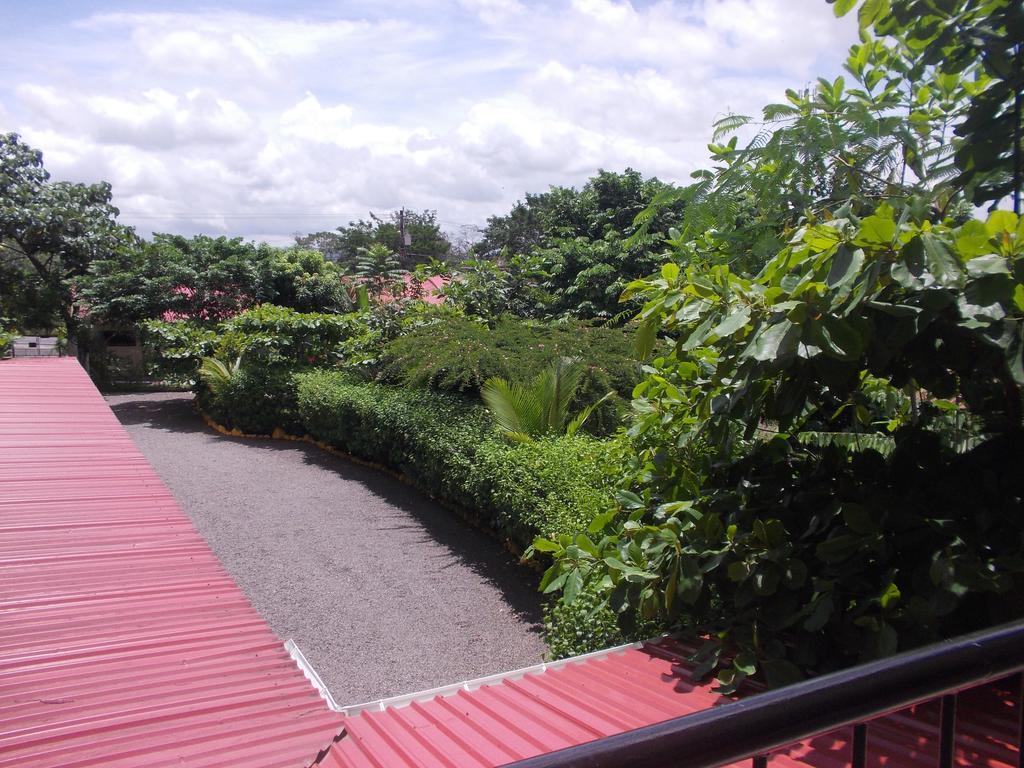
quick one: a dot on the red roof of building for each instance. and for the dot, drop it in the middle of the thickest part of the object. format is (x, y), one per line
(428, 291)
(506, 718)
(123, 641)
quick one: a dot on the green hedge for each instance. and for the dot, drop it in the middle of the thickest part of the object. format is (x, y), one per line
(445, 444)
(448, 447)
(255, 401)
(549, 486)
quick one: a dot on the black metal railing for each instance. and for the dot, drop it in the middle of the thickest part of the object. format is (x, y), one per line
(751, 728)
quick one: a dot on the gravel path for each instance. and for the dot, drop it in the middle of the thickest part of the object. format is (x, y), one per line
(383, 590)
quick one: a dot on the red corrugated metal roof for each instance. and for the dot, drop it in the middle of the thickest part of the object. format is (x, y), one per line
(520, 716)
(123, 642)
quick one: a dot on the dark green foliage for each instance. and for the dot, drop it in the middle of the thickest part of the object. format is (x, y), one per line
(26, 302)
(519, 231)
(264, 337)
(219, 277)
(50, 232)
(346, 243)
(255, 400)
(460, 354)
(305, 282)
(175, 349)
(207, 279)
(587, 277)
(272, 335)
(608, 202)
(555, 485)
(588, 624)
(429, 437)
(135, 284)
(6, 340)
(584, 626)
(578, 260)
(487, 289)
(793, 540)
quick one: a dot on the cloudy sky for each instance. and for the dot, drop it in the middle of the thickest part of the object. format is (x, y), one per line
(267, 119)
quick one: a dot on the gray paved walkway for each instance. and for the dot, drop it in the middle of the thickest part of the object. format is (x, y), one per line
(384, 591)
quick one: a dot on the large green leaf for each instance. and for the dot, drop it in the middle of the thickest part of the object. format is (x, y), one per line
(646, 336)
(876, 230)
(845, 266)
(842, 7)
(973, 240)
(732, 323)
(941, 261)
(773, 341)
(838, 338)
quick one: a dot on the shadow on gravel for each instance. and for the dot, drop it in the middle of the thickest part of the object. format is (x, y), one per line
(168, 411)
(173, 412)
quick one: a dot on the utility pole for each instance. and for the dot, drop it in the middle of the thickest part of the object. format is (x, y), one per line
(401, 236)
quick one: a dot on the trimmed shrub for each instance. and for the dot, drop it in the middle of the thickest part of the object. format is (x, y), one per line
(254, 401)
(448, 446)
(548, 486)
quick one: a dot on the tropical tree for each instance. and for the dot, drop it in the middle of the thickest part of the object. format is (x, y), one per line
(50, 232)
(220, 276)
(346, 244)
(135, 283)
(826, 450)
(487, 289)
(579, 244)
(303, 280)
(380, 271)
(977, 45)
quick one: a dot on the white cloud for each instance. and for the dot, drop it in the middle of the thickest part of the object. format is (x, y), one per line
(309, 120)
(197, 39)
(494, 11)
(154, 119)
(260, 124)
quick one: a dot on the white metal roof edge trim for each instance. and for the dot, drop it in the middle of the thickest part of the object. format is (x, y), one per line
(311, 674)
(479, 682)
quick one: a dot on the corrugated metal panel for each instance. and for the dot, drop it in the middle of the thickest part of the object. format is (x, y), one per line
(522, 715)
(123, 642)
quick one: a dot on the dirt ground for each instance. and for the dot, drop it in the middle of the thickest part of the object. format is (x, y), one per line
(383, 590)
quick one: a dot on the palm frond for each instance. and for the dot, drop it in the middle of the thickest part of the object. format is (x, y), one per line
(581, 417)
(775, 112)
(215, 374)
(514, 408)
(541, 406)
(560, 382)
(851, 441)
(727, 125)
